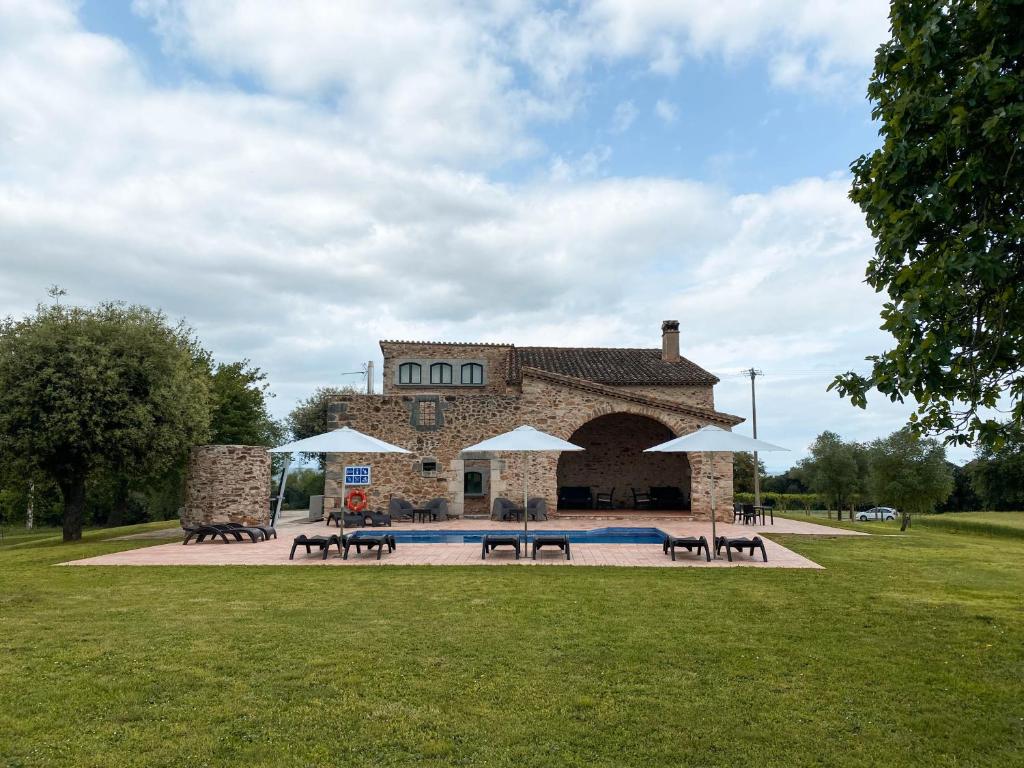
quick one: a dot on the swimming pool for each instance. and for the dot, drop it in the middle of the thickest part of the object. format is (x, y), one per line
(593, 536)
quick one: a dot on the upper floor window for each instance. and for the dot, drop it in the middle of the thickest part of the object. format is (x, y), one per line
(409, 373)
(440, 373)
(472, 373)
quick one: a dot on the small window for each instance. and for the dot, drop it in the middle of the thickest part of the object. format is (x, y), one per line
(427, 416)
(428, 467)
(409, 373)
(473, 484)
(440, 373)
(472, 373)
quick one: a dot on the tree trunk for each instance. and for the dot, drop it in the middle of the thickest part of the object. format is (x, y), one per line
(905, 522)
(73, 491)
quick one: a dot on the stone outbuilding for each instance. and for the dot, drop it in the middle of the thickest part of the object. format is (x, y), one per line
(440, 397)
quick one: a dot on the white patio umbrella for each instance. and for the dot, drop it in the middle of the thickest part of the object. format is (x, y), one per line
(343, 440)
(713, 440)
(524, 440)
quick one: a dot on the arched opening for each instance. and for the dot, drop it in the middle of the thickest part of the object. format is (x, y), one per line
(613, 472)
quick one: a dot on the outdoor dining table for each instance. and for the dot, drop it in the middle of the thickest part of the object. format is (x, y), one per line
(423, 514)
(765, 508)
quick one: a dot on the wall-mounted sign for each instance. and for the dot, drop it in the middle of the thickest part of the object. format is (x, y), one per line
(357, 475)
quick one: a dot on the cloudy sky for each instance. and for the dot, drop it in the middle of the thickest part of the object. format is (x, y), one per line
(301, 184)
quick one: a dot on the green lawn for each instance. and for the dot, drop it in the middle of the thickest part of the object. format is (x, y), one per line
(906, 650)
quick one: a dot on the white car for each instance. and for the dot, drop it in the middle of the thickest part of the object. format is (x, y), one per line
(877, 513)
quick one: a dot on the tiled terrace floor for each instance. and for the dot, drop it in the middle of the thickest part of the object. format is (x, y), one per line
(275, 551)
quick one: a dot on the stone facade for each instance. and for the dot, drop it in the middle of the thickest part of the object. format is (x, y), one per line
(436, 422)
(228, 484)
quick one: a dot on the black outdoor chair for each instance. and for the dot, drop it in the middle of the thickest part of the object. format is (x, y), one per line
(750, 514)
(737, 512)
(537, 508)
(492, 540)
(641, 500)
(503, 509)
(322, 542)
(689, 543)
(400, 509)
(559, 540)
(739, 544)
(370, 540)
(380, 520)
(605, 500)
(438, 508)
(355, 520)
(575, 497)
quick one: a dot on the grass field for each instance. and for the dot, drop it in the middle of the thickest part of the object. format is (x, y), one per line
(906, 650)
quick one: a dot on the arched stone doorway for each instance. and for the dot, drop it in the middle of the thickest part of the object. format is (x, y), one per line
(614, 458)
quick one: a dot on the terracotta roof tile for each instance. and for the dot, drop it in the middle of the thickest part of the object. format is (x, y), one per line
(608, 365)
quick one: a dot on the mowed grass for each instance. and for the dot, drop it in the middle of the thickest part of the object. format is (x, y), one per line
(906, 650)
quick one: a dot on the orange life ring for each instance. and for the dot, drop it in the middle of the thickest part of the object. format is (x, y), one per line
(356, 500)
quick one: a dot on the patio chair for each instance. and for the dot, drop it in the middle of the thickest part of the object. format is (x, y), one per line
(503, 509)
(355, 520)
(400, 509)
(380, 519)
(438, 507)
(605, 500)
(322, 542)
(737, 512)
(492, 540)
(560, 540)
(750, 514)
(689, 543)
(369, 540)
(641, 500)
(537, 508)
(739, 544)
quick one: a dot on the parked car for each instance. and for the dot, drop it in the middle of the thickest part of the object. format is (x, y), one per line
(877, 513)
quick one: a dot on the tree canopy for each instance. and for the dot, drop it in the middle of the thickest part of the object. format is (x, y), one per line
(944, 198)
(998, 475)
(835, 469)
(238, 406)
(114, 387)
(910, 473)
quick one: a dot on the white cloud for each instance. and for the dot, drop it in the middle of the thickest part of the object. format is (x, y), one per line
(624, 116)
(666, 111)
(287, 237)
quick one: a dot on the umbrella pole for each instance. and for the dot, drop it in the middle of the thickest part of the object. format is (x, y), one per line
(280, 490)
(341, 517)
(711, 472)
(526, 496)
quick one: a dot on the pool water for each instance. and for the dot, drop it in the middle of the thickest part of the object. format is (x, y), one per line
(593, 536)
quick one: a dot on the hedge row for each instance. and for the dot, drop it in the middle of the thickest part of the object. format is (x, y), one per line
(783, 501)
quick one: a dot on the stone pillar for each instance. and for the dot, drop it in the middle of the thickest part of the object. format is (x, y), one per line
(228, 484)
(700, 486)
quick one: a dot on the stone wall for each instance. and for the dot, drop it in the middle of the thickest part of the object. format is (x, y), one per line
(470, 418)
(228, 484)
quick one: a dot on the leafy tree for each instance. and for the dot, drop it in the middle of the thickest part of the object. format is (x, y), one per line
(238, 406)
(834, 470)
(112, 388)
(793, 480)
(309, 416)
(964, 497)
(303, 483)
(998, 475)
(743, 472)
(944, 198)
(910, 473)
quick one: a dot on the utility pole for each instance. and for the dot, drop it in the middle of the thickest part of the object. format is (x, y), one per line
(754, 373)
(369, 377)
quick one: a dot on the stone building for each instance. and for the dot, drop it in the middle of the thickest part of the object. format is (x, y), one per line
(440, 397)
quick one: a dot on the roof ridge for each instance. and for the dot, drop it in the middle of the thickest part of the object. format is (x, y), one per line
(561, 378)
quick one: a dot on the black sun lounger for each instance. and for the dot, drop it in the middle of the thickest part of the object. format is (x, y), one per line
(492, 540)
(238, 530)
(739, 545)
(689, 543)
(370, 540)
(268, 531)
(202, 532)
(323, 542)
(559, 540)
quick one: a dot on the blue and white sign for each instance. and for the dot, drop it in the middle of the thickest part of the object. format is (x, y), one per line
(357, 475)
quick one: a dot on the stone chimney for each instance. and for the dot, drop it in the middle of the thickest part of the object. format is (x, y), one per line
(670, 341)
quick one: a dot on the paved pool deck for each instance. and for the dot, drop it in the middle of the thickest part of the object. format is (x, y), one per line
(275, 551)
